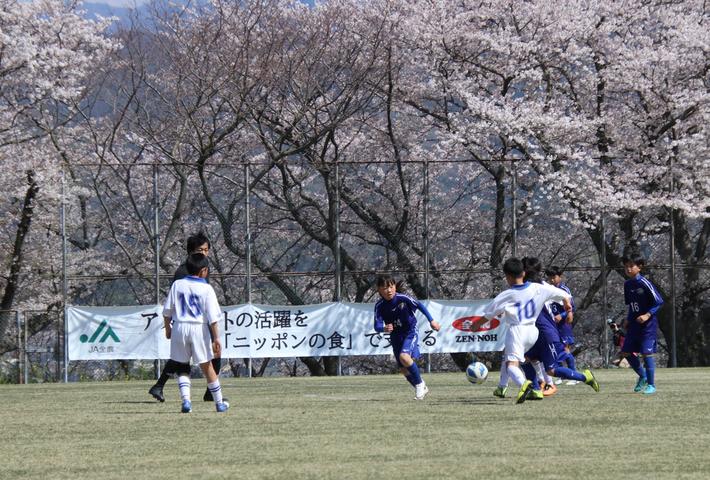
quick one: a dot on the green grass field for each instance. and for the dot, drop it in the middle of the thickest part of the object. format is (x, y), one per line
(359, 428)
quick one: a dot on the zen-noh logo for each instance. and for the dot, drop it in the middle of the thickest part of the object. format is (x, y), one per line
(464, 324)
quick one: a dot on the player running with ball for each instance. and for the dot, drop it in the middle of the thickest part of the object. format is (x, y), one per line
(519, 306)
(394, 314)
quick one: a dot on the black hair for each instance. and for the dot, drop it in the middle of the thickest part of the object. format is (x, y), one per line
(553, 270)
(635, 258)
(514, 267)
(195, 241)
(385, 281)
(533, 269)
(195, 263)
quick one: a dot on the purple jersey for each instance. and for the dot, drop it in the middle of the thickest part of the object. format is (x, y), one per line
(563, 326)
(641, 297)
(547, 327)
(400, 313)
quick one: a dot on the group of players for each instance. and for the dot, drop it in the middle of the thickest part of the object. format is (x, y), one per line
(539, 317)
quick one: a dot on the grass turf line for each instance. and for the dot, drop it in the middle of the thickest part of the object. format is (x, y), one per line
(359, 428)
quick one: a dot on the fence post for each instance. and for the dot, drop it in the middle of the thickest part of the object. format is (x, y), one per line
(20, 349)
(602, 272)
(674, 357)
(427, 291)
(63, 226)
(247, 245)
(514, 209)
(26, 358)
(336, 248)
(156, 243)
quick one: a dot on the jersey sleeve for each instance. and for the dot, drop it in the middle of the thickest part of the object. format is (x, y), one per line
(422, 308)
(379, 321)
(563, 312)
(655, 299)
(554, 294)
(169, 304)
(493, 309)
(213, 312)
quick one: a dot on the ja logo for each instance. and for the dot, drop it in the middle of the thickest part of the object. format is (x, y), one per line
(108, 333)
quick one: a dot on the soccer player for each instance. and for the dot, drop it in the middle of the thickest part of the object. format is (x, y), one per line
(548, 347)
(641, 323)
(564, 324)
(191, 314)
(197, 243)
(519, 306)
(394, 314)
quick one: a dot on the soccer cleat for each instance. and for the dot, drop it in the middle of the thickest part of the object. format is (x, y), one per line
(649, 390)
(157, 392)
(641, 384)
(500, 391)
(524, 392)
(420, 391)
(222, 407)
(186, 406)
(536, 395)
(549, 390)
(590, 380)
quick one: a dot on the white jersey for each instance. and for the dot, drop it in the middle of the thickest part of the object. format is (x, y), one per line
(192, 300)
(522, 304)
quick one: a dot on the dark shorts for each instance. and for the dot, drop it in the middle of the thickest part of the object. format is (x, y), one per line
(645, 345)
(405, 343)
(546, 352)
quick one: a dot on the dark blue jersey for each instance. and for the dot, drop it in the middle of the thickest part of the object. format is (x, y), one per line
(641, 297)
(400, 313)
(547, 327)
(563, 326)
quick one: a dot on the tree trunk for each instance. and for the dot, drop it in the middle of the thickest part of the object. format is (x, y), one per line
(314, 366)
(23, 227)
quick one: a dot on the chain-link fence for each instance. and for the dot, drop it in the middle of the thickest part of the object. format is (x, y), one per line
(303, 233)
(33, 346)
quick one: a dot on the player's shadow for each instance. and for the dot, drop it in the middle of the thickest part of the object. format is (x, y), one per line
(129, 402)
(143, 412)
(465, 401)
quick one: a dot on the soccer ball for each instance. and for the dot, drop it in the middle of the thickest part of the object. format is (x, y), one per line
(476, 372)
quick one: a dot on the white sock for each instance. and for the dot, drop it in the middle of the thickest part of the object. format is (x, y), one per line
(548, 379)
(216, 390)
(538, 371)
(503, 382)
(516, 374)
(184, 385)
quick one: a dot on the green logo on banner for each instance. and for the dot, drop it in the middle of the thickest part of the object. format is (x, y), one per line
(109, 333)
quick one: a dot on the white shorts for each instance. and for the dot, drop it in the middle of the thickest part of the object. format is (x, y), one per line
(518, 340)
(190, 341)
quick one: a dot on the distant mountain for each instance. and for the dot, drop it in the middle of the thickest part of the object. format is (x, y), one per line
(123, 13)
(94, 9)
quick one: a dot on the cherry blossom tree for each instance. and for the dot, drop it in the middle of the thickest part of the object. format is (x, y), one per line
(604, 105)
(47, 51)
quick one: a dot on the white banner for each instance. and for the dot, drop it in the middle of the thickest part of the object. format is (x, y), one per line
(260, 331)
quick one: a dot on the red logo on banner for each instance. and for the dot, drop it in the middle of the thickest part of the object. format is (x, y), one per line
(464, 324)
